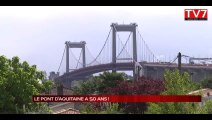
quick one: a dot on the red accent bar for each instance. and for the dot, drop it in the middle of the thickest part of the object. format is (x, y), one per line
(118, 98)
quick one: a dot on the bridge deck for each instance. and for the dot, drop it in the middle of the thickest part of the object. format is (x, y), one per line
(82, 72)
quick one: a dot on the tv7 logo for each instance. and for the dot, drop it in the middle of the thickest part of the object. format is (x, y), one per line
(196, 14)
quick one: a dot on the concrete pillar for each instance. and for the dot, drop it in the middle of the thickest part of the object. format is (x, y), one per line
(67, 57)
(60, 90)
(128, 28)
(83, 56)
(113, 45)
(134, 45)
(134, 52)
(134, 75)
(75, 45)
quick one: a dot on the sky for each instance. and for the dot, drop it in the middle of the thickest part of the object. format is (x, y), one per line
(37, 34)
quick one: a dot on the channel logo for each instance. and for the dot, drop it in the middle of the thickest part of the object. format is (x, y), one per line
(196, 14)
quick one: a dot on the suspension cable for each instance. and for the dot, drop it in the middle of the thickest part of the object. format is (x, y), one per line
(90, 54)
(185, 56)
(146, 45)
(79, 58)
(120, 40)
(75, 58)
(102, 48)
(62, 59)
(172, 62)
(124, 45)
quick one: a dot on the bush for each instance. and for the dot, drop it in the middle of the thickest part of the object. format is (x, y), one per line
(207, 83)
(176, 84)
(143, 86)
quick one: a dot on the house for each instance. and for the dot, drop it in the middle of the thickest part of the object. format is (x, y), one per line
(206, 94)
(64, 108)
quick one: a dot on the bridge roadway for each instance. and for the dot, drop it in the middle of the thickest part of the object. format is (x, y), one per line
(155, 70)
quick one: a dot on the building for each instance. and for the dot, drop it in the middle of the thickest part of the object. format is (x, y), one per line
(53, 75)
(206, 94)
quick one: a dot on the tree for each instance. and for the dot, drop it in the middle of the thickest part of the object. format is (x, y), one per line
(18, 83)
(176, 84)
(207, 83)
(142, 86)
(88, 87)
(99, 84)
(208, 107)
(110, 80)
(116, 84)
(47, 85)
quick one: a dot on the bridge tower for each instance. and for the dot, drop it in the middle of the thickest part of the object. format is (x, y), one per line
(75, 45)
(123, 28)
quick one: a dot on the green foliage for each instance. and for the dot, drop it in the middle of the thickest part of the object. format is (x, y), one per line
(154, 108)
(112, 108)
(18, 82)
(116, 84)
(87, 108)
(99, 84)
(41, 108)
(207, 83)
(110, 80)
(88, 87)
(176, 84)
(47, 85)
(208, 107)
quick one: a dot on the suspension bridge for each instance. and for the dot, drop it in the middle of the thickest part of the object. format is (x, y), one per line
(116, 55)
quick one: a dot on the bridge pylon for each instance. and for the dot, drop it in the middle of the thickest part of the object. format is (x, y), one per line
(75, 45)
(123, 28)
